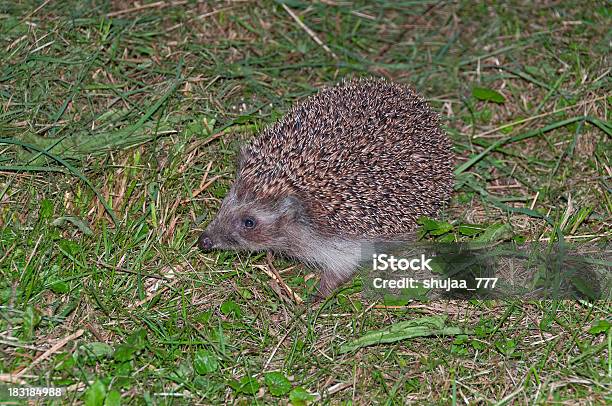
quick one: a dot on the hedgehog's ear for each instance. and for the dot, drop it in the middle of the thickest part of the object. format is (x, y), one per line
(290, 206)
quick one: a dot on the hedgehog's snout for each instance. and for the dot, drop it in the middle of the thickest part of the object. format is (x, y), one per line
(216, 236)
(205, 242)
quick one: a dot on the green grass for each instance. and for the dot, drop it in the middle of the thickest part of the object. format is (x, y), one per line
(118, 137)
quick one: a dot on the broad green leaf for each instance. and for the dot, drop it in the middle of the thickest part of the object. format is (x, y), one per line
(205, 362)
(427, 223)
(442, 228)
(95, 394)
(300, 396)
(393, 300)
(277, 383)
(486, 94)
(231, 308)
(247, 385)
(470, 229)
(434, 227)
(96, 350)
(446, 238)
(506, 346)
(60, 287)
(421, 327)
(495, 232)
(125, 352)
(113, 398)
(600, 326)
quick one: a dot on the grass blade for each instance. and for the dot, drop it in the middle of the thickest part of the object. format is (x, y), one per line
(70, 168)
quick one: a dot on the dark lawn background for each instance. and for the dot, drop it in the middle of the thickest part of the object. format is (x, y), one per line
(119, 127)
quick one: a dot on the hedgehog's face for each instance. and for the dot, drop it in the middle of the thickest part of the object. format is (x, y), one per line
(253, 225)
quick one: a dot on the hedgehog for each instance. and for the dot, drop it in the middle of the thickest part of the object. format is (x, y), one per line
(353, 165)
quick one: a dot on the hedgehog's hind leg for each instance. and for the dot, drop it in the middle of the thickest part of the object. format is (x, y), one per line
(337, 260)
(330, 281)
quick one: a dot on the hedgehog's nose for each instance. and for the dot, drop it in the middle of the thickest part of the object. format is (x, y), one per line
(204, 242)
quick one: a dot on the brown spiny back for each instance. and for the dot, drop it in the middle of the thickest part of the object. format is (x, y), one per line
(365, 158)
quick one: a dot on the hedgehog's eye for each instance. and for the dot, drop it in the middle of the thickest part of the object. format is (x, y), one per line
(249, 222)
